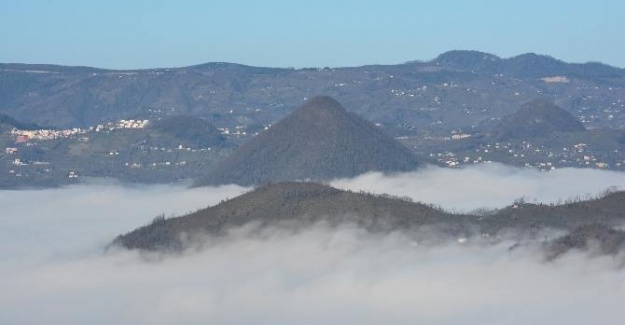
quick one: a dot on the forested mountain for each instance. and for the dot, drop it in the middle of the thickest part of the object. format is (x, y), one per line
(295, 204)
(194, 131)
(460, 108)
(8, 123)
(319, 141)
(458, 89)
(538, 119)
(300, 204)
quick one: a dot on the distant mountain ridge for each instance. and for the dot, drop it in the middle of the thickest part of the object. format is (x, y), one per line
(528, 65)
(230, 94)
(319, 141)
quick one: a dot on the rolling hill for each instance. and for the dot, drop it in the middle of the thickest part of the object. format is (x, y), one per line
(289, 204)
(193, 131)
(299, 204)
(538, 119)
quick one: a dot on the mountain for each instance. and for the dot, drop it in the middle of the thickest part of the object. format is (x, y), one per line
(444, 108)
(319, 141)
(524, 66)
(299, 204)
(456, 89)
(607, 209)
(538, 119)
(469, 60)
(531, 65)
(287, 204)
(194, 131)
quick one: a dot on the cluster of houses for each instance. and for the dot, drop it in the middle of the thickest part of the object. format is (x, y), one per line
(121, 124)
(237, 132)
(24, 136)
(531, 154)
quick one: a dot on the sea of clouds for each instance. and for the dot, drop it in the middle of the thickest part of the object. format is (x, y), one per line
(55, 269)
(488, 185)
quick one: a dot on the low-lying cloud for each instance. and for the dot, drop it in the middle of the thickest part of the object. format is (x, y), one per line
(54, 270)
(491, 185)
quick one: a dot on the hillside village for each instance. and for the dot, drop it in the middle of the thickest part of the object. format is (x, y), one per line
(532, 155)
(51, 134)
(443, 110)
(46, 156)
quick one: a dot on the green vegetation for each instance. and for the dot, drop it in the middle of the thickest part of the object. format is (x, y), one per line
(193, 131)
(538, 119)
(301, 204)
(469, 95)
(8, 123)
(319, 141)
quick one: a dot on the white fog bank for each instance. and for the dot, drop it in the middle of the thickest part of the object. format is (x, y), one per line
(53, 268)
(489, 185)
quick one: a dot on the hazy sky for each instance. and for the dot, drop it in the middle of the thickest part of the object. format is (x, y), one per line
(156, 33)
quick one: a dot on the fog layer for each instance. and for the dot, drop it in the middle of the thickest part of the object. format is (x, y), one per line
(490, 185)
(54, 270)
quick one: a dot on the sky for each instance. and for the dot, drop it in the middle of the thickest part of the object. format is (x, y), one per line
(54, 268)
(127, 34)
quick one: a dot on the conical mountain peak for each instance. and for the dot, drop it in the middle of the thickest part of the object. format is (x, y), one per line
(538, 118)
(322, 103)
(321, 107)
(318, 141)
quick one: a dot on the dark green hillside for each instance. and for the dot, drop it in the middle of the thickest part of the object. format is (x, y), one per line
(538, 119)
(607, 210)
(318, 141)
(194, 131)
(7, 122)
(469, 60)
(299, 203)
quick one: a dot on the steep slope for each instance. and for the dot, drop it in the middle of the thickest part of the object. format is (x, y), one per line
(319, 141)
(538, 119)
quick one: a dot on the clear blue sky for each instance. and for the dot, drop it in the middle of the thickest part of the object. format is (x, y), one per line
(156, 33)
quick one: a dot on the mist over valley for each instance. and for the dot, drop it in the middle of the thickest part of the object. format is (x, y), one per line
(56, 259)
(327, 162)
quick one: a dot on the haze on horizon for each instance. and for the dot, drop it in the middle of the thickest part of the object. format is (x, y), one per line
(147, 34)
